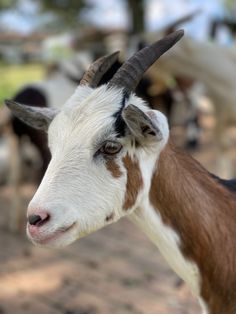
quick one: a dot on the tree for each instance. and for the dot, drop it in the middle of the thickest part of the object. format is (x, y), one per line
(67, 11)
(137, 15)
(6, 4)
(230, 5)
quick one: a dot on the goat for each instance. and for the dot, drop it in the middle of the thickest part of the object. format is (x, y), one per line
(48, 94)
(112, 157)
(214, 66)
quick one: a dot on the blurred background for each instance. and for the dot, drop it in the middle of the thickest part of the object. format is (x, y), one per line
(45, 47)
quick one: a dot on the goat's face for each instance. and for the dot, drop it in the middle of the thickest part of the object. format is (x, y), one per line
(104, 145)
(95, 174)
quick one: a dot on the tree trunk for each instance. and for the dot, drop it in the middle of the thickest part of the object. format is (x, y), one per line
(137, 15)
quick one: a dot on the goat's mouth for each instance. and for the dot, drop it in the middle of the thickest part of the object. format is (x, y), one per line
(58, 238)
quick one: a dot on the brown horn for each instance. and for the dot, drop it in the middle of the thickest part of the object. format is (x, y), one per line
(97, 69)
(186, 18)
(131, 72)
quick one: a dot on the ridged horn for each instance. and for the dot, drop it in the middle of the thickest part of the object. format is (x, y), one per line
(97, 69)
(131, 72)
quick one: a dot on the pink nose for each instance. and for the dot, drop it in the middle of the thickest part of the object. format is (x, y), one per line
(38, 218)
(36, 221)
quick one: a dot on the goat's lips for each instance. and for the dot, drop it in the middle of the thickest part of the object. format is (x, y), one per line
(40, 237)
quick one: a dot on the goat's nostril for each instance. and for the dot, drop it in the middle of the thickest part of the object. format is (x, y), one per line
(34, 219)
(38, 220)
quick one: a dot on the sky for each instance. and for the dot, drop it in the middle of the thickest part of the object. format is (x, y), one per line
(113, 13)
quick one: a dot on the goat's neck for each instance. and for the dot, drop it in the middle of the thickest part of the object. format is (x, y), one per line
(191, 218)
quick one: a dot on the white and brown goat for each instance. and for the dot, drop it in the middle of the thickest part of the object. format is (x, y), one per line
(112, 157)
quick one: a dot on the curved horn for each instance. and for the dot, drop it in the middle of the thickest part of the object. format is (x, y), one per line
(169, 28)
(131, 72)
(97, 69)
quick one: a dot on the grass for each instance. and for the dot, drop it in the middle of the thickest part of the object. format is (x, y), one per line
(12, 77)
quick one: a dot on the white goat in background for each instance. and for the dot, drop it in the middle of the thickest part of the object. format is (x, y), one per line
(112, 157)
(214, 66)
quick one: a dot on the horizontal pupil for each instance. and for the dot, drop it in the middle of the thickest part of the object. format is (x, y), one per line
(111, 147)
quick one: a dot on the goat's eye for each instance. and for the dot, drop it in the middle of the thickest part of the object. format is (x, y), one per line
(110, 148)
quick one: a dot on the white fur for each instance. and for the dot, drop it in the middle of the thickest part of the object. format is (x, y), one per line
(168, 242)
(203, 306)
(77, 188)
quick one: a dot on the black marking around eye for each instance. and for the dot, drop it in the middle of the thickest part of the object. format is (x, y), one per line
(120, 125)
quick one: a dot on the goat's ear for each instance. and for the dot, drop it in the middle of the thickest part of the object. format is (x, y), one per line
(143, 125)
(36, 117)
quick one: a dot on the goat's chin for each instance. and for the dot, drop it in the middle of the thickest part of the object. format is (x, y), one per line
(59, 239)
(55, 240)
(57, 243)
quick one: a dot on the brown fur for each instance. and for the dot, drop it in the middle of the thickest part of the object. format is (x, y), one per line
(114, 168)
(134, 181)
(203, 213)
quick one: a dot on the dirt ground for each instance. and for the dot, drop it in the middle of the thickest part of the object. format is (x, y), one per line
(115, 270)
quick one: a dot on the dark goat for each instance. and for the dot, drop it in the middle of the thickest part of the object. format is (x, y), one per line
(34, 97)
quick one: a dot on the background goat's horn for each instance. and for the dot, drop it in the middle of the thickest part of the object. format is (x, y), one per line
(131, 72)
(97, 69)
(175, 24)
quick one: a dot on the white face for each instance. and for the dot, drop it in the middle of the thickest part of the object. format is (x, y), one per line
(95, 175)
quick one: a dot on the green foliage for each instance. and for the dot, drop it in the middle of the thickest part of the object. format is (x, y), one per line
(66, 10)
(230, 4)
(5, 4)
(14, 76)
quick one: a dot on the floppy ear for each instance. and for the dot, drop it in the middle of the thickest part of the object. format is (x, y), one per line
(143, 125)
(36, 117)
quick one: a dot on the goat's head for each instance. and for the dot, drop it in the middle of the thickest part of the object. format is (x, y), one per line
(104, 144)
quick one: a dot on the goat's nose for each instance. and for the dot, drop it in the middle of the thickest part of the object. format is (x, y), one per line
(38, 219)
